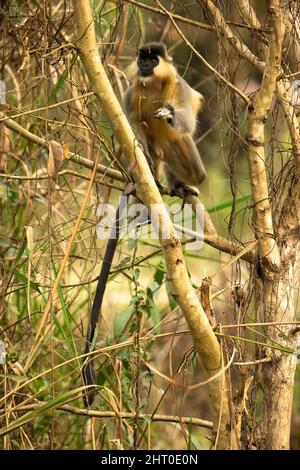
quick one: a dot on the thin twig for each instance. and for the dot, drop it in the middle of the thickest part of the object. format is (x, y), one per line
(124, 415)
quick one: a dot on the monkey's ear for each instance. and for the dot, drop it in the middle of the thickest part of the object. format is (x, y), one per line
(131, 71)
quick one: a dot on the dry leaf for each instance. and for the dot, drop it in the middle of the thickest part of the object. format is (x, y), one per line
(56, 156)
(67, 153)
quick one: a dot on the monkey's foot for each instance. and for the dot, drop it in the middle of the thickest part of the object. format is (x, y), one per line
(166, 113)
(162, 189)
(183, 190)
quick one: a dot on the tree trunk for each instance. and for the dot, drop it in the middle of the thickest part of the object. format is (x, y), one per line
(278, 375)
(278, 300)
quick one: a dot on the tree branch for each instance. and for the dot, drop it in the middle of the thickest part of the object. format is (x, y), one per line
(207, 64)
(104, 170)
(283, 89)
(258, 110)
(222, 27)
(120, 415)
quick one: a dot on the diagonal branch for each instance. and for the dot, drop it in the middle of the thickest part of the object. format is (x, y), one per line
(283, 88)
(204, 338)
(222, 27)
(207, 64)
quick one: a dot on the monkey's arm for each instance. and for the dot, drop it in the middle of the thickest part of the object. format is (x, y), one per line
(181, 119)
(129, 105)
(182, 112)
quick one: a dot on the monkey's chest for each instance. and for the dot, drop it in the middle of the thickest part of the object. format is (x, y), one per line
(147, 105)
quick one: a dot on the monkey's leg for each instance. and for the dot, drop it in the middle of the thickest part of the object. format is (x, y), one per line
(184, 167)
(157, 156)
(177, 187)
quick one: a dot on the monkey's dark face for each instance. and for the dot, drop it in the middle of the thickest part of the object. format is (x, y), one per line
(150, 57)
(147, 63)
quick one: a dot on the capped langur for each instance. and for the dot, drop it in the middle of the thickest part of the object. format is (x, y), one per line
(162, 109)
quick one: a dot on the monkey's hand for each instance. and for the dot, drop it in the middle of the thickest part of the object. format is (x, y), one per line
(166, 113)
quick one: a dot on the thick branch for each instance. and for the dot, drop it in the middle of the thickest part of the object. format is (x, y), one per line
(283, 87)
(277, 289)
(146, 188)
(212, 238)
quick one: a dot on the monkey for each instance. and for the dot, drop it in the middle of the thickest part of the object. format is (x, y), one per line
(162, 109)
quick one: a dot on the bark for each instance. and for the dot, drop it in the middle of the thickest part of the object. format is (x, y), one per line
(277, 288)
(276, 264)
(278, 375)
(204, 338)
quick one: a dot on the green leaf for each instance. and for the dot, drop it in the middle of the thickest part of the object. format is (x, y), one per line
(132, 244)
(22, 278)
(226, 204)
(152, 310)
(67, 332)
(122, 319)
(159, 274)
(15, 378)
(60, 83)
(32, 415)
(136, 274)
(172, 301)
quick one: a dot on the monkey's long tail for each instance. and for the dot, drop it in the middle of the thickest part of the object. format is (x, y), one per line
(88, 371)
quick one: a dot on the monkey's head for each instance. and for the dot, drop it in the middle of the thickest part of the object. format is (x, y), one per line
(152, 59)
(153, 62)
